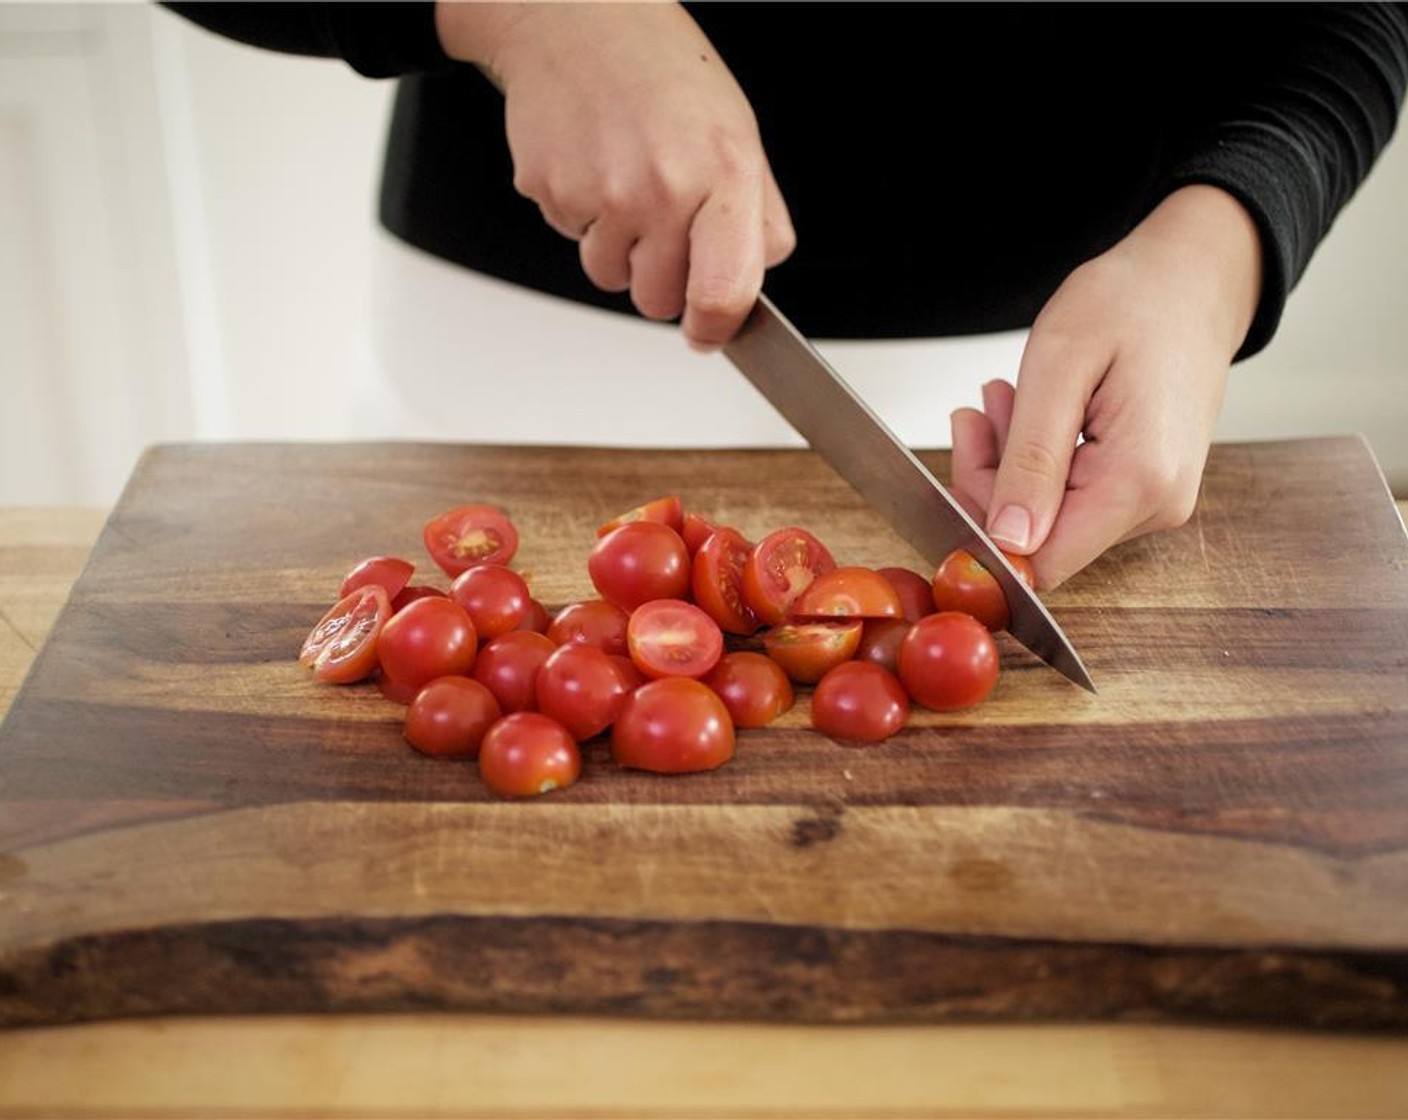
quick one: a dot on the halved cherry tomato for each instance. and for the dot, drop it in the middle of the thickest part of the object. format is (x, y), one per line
(753, 688)
(696, 531)
(495, 597)
(916, 596)
(427, 639)
(782, 566)
(880, 641)
(859, 700)
(849, 592)
(961, 583)
(807, 650)
(716, 577)
(668, 511)
(640, 561)
(672, 638)
(526, 754)
(673, 726)
(508, 667)
(449, 716)
(593, 622)
(948, 661)
(536, 618)
(391, 572)
(467, 535)
(582, 689)
(413, 591)
(342, 647)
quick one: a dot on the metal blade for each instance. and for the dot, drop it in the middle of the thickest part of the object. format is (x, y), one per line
(842, 429)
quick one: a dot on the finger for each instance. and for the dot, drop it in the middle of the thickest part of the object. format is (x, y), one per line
(571, 227)
(975, 459)
(605, 250)
(779, 236)
(725, 264)
(659, 264)
(998, 398)
(1057, 377)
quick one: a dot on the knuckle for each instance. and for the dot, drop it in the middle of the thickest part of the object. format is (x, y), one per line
(1166, 488)
(1034, 460)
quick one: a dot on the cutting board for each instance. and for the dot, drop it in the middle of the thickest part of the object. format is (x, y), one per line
(189, 824)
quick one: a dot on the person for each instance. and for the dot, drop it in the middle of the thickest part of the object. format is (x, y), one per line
(1140, 185)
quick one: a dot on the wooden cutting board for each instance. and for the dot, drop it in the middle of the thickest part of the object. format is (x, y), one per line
(189, 824)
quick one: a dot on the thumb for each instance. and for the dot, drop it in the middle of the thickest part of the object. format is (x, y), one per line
(1054, 385)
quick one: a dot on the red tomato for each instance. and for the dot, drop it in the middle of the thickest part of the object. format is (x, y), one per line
(880, 641)
(536, 618)
(948, 661)
(717, 579)
(582, 689)
(526, 754)
(807, 650)
(782, 566)
(673, 726)
(395, 691)
(390, 572)
(916, 597)
(859, 700)
(632, 676)
(342, 647)
(848, 593)
(449, 716)
(667, 511)
(594, 622)
(696, 531)
(753, 688)
(640, 561)
(963, 584)
(413, 591)
(672, 638)
(508, 667)
(495, 597)
(427, 639)
(469, 535)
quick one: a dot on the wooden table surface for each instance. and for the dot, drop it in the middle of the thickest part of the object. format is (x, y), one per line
(440, 1065)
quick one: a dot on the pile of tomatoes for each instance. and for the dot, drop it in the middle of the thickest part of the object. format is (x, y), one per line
(697, 632)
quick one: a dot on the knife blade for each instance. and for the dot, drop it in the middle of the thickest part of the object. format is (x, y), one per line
(842, 429)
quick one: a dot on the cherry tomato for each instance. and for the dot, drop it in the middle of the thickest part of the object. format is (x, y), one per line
(342, 648)
(961, 583)
(696, 531)
(807, 650)
(880, 641)
(673, 726)
(449, 716)
(916, 596)
(672, 638)
(494, 597)
(948, 661)
(395, 691)
(536, 618)
(859, 700)
(526, 754)
(508, 667)
(848, 593)
(582, 689)
(717, 580)
(668, 511)
(632, 676)
(469, 535)
(390, 572)
(413, 591)
(427, 639)
(593, 622)
(782, 566)
(753, 688)
(640, 561)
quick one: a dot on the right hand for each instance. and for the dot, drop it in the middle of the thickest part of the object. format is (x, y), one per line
(629, 132)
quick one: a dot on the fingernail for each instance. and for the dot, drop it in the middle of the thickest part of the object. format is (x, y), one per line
(704, 347)
(1012, 525)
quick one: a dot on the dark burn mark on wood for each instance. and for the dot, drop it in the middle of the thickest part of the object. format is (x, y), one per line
(822, 826)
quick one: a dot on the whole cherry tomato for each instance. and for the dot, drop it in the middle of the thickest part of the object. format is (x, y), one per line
(413, 591)
(849, 592)
(948, 661)
(427, 639)
(391, 572)
(961, 583)
(495, 597)
(717, 580)
(536, 618)
(342, 647)
(640, 561)
(673, 726)
(668, 511)
(582, 689)
(526, 754)
(753, 688)
(508, 667)
(807, 650)
(672, 638)
(880, 641)
(916, 595)
(859, 700)
(449, 716)
(782, 566)
(593, 622)
(467, 535)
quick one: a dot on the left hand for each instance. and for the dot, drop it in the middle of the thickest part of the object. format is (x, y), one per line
(1131, 353)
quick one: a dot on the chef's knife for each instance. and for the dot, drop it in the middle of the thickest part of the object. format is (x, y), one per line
(842, 429)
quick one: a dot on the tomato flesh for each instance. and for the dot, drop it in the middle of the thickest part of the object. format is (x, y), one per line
(526, 754)
(860, 701)
(716, 577)
(673, 726)
(781, 567)
(961, 583)
(342, 647)
(807, 650)
(390, 572)
(449, 717)
(467, 535)
(848, 592)
(948, 661)
(672, 638)
(753, 688)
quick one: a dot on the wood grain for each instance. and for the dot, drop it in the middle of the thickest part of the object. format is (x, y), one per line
(1220, 833)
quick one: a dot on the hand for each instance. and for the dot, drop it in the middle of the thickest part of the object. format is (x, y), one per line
(1132, 354)
(629, 132)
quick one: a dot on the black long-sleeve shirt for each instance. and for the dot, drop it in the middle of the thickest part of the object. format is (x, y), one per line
(946, 165)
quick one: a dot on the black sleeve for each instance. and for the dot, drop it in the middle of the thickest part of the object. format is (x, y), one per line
(378, 40)
(1319, 100)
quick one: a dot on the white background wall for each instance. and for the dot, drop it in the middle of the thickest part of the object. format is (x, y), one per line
(188, 249)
